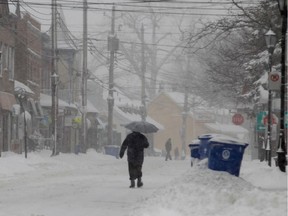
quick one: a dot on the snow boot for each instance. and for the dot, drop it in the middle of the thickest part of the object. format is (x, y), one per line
(139, 182)
(132, 184)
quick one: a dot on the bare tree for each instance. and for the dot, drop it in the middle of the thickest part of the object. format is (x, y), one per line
(233, 49)
(152, 46)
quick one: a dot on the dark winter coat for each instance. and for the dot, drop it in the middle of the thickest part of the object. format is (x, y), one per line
(135, 142)
(168, 145)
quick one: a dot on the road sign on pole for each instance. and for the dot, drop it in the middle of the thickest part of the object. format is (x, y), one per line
(260, 123)
(274, 81)
(262, 120)
(237, 119)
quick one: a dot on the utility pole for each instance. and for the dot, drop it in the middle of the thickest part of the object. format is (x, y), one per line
(282, 145)
(154, 60)
(54, 77)
(113, 45)
(269, 127)
(185, 109)
(143, 70)
(184, 120)
(84, 78)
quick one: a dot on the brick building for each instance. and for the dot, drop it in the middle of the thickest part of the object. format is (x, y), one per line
(28, 65)
(28, 53)
(7, 99)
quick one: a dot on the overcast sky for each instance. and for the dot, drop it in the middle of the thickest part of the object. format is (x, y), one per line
(100, 11)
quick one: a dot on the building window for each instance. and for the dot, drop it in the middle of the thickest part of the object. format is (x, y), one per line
(1, 59)
(4, 57)
(11, 55)
(7, 56)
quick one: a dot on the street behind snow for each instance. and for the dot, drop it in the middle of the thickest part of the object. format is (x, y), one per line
(97, 184)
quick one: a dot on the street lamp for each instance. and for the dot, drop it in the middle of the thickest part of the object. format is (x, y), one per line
(282, 148)
(271, 40)
(54, 110)
(21, 94)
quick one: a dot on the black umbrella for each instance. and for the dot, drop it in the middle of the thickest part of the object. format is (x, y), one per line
(142, 127)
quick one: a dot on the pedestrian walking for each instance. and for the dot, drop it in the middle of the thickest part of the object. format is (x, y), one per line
(176, 153)
(135, 143)
(168, 147)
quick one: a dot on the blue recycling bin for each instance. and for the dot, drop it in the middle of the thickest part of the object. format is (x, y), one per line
(204, 144)
(194, 149)
(226, 155)
(112, 150)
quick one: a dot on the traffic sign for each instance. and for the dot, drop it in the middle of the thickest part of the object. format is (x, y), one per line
(260, 123)
(274, 81)
(237, 119)
(262, 120)
(274, 119)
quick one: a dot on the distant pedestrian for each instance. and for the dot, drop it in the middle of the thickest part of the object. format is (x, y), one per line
(176, 153)
(168, 147)
(135, 143)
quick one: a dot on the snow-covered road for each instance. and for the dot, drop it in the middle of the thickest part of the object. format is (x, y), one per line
(78, 184)
(94, 184)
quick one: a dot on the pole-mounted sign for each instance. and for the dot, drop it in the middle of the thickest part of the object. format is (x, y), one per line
(274, 81)
(237, 119)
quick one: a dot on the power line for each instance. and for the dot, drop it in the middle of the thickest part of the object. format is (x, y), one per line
(68, 5)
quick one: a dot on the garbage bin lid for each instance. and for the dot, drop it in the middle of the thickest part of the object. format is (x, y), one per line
(195, 141)
(228, 140)
(209, 136)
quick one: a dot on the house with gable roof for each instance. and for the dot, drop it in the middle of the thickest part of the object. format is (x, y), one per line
(167, 109)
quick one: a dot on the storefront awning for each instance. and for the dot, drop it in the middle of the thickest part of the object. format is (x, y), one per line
(7, 101)
(18, 85)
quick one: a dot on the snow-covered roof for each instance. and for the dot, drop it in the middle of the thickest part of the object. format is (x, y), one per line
(19, 85)
(90, 108)
(46, 101)
(177, 97)
(120, 98)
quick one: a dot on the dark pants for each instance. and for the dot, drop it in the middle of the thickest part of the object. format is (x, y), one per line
(168, 156)
(135, 170)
